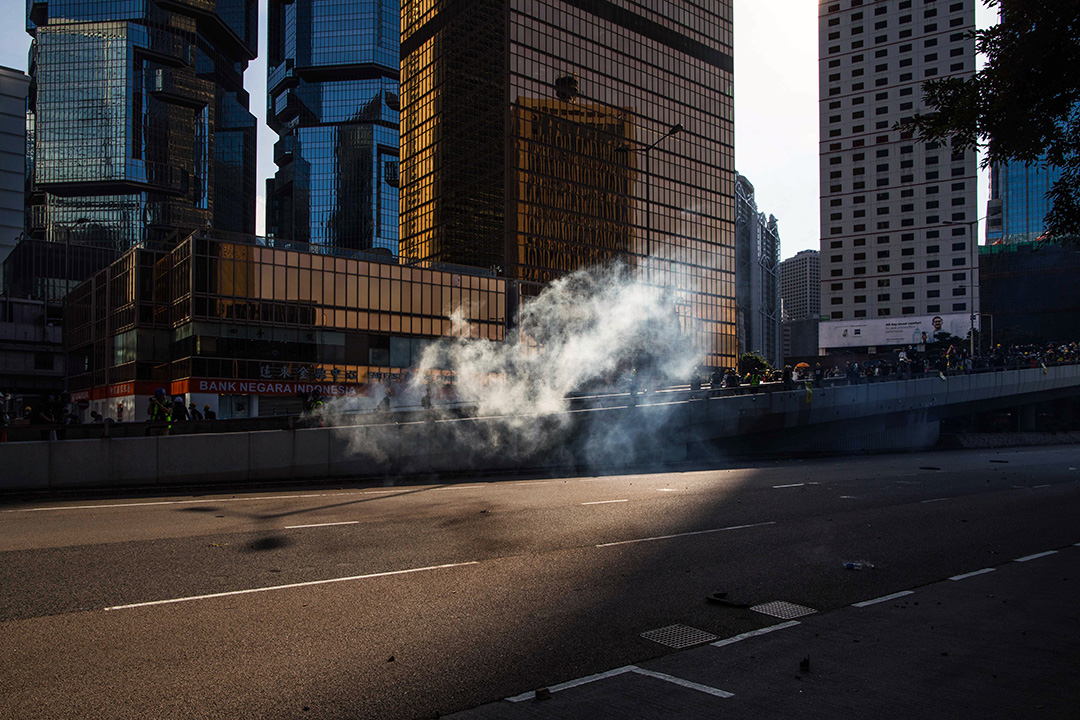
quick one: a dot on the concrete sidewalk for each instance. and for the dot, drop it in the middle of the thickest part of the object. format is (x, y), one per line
(993, 643)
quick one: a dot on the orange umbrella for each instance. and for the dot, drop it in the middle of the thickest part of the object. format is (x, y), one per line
(802, 365)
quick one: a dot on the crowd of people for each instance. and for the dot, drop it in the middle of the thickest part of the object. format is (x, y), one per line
(161, 409)
(909, 363)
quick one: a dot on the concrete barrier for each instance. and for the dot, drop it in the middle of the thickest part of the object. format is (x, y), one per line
(75, 463)
(203, 458)
(25, 465)
(132, 461)
(311, 453)
(270, 454)
(837, 418)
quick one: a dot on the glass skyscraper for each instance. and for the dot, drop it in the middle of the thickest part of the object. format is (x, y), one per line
(541, 136)
(138, 120)
(333, 100)
(1018, 203)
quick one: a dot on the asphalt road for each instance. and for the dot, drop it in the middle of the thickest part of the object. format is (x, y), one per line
(426, 599)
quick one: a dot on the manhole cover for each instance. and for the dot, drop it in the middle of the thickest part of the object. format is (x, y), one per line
(679, 636)
(784, 610)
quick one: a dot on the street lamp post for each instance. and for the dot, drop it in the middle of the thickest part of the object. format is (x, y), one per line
(973, 244)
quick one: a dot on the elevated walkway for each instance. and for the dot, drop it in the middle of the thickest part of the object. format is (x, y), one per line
(882, 416)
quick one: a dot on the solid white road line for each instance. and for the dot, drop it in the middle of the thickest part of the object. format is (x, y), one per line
(289, 586)
(622, 671)
(574, 683)
(685, 534)
(777, 487)
(934, 500)
(347, 522)
(1036, 556)
(162, 502)
(754, 633)
(886, 598)
(605, 502)
(461, 487)
(684, 683)
(197, 502)
(972, 574)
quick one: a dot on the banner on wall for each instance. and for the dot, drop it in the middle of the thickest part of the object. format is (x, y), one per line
(891, 331)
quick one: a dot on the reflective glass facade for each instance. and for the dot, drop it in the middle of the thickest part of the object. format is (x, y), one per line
(1018, 202)
(139, 122)
(213, 311)
(535, 140)
(333, 100)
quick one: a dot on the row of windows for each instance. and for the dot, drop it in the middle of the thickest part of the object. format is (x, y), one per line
(884, 254)
(883, 9)
(884, 182)
(904, 34)
(906, 310)
(909, 295)
(904, 267)
(887, 282)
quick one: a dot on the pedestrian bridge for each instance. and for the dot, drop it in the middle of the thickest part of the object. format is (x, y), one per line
(612, 434)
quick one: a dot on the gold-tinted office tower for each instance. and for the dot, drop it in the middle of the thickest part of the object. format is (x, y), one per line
(543, 136)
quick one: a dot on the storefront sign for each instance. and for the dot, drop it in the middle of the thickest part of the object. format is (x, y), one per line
(305, 373)
(260, 387)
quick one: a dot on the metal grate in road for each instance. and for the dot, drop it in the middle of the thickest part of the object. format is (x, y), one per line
(783, 610)
(679, 636)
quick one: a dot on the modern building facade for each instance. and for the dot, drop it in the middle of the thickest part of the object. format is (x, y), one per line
(800, 295)
(333, 100)
(898, 216)
(1018, 203)
(138, 120)
(1031, 293)
(14, 86)
(800, 286)
(31, 353)
(538, 138)
(250, 325)
(757, 276)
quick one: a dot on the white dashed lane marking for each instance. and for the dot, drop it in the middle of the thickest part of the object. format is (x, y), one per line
(605, 502)
(1036, 556)
(316, 525)
(754, 633)
(886, 598)
(972, 574)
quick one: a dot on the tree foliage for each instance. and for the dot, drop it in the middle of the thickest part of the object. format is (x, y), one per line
(1024, 105)
(752, 362)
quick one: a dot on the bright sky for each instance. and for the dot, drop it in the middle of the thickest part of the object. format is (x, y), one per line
(776, 113)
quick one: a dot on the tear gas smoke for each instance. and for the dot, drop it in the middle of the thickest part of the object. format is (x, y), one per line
(590, 331)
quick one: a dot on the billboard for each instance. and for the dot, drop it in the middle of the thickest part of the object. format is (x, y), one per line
(878, 332)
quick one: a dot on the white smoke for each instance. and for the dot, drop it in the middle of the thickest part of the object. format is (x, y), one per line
(591, 331)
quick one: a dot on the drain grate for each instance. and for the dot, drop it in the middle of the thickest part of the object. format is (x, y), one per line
(783, 610)
(679, 636)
